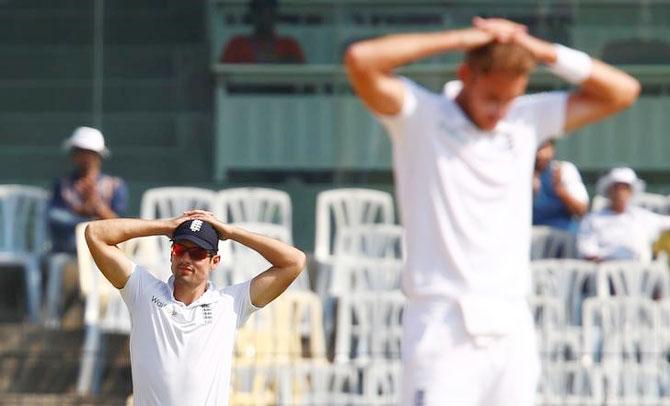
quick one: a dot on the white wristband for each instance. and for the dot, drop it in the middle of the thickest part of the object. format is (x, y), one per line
(572, 65)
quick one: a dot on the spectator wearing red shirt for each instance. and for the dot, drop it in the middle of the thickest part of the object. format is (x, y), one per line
(263, 45)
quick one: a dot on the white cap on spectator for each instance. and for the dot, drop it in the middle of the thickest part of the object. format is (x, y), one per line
(620, 175)
(87, 138)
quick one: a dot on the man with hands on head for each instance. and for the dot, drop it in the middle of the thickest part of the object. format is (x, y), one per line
(183, 331)
(463, 166)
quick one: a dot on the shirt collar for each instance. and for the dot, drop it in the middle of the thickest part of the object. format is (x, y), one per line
(211, 294)
(451, 90)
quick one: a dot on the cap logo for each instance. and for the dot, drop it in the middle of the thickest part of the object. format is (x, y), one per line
(196, 225)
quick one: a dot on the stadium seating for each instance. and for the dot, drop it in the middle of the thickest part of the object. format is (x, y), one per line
(23, 220)
(549, 242)
(254, 205)
(339, 208)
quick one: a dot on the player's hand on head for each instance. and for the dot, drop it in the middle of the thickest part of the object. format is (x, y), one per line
(174, 222)
(503, 30)
(223, 229)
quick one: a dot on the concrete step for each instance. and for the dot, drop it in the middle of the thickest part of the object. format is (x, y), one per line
(39, 361)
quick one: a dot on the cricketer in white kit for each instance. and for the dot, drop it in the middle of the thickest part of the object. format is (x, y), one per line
(183, 331)
(463, 164)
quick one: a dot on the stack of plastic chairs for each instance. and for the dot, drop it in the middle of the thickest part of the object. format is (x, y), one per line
(622, 347)
(23, 237)
(261, 210)
(280, 354)
(344, 208)
(368, 340)
(549, 242)
(370, 257)
(602, 332)
(254, 205)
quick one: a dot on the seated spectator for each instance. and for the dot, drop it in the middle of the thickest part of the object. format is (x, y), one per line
(86, 193)
(263, 45)
(559, 195)
(620, 231)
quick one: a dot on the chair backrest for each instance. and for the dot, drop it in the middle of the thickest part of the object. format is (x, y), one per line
(287, 330)
(369, 326)
(548, 242)
(371, 241)
(166, 202)
(23, 211)
(303, 319)
(240, 263)
(548, 313)
(632, 278)
(620, 278)
(254, 205)
(568, 280)
(357, 274)
(339, 208)
(620, 328)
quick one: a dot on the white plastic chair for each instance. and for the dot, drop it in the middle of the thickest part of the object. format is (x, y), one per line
(240, 263)
(254, 205)
(570, 384)
(23, 237)
(339, 208)
(104, 312)
(548, 242)
(370, 257)
(621, 329)
(369, 327)
(382, 382)
(166, 202)
(632, 278)
(571, 281)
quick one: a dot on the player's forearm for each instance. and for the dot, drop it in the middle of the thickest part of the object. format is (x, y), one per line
(610, 84)
(279, 254)
(392, 51)
(115, 231)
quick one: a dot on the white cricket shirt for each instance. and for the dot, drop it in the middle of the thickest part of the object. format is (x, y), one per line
(182, 355)
(620, 236)
(465, 194)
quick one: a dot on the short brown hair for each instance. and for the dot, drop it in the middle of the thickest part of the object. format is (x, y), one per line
(499, 57)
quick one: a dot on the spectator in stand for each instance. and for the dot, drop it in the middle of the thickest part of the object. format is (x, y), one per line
(264, 45)
(559, 195)
(620, 231)
(86, 193)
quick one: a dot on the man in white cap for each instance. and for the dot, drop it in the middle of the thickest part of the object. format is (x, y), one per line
(86, 193)
(620, 231)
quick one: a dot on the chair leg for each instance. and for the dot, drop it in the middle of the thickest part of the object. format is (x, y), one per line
(33, 287)
(57, 263)
(89, 358)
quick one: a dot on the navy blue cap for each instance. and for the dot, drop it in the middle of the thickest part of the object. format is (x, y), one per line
(198, 232)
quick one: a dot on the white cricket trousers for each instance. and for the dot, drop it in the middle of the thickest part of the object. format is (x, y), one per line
(444, 365)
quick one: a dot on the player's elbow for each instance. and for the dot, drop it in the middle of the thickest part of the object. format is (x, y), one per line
(628, 93)
(356, 58)
(91, 233)
(297, 263)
